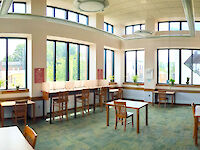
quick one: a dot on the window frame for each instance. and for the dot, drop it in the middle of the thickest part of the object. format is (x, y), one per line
(107, 24)
(105, 63)
(169, 29)
(13, 6)
(26, 66)
(67, 59)
(180, 65)
(66, 18)
(125, 70)
(133, 28)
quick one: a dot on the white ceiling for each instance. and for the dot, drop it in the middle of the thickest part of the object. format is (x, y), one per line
(127, 12)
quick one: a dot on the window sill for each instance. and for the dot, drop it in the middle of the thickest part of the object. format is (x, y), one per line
(112, 83)
(14, 91)
(132, 83)
(180, 85)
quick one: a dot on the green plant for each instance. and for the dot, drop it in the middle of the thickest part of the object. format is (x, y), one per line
(112, 78)
(17, 87)
(1, 83)
(135, 78)
(188, 80)
(171, 81)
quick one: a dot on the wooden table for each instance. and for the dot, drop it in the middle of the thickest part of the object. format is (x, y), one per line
(113, 91)
(54, 93)
(172, 93)
(132, 105)
(11, 104)
(196, 117)
(12, 139)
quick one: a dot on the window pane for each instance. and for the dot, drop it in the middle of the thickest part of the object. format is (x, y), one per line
(73, 61)
(163, 26)
(16, 62)
(83, 19)
(3, 63)
(186, 63)
(110, 29)
(50, 12)
(140, 66)
(163, 66)
(60, 13)
(61, 61)
(109, 64)
(130, 66)
(10, 10)
(174, 65)
(197, 26)
(185, 26)
(142, 27)
(129, 30)
(72, 16)
(136, 28)
(83, 62)
(174, 26)
(196, 67)
(19, 8)
(50, 60)
(105, 26)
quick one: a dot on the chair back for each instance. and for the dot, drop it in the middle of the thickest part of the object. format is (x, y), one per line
(162, 95)
(85, 94)
(120, 93)
(63, 97)
(30, 136)
(103, 91)
(120, 109)
(20, 108)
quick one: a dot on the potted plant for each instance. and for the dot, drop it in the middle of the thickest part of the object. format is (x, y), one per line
(112, 78)
(17, 87)
(135, 79)
(1, 83)
(171, 81)
(188, 80)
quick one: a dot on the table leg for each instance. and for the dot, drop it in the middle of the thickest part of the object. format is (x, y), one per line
(107, 112)
(43, 109)
(112, 96)
(33, 112)
(74, 105)
(172, 99)
(152, 98)
(2, 116)
(146, 115)
(94, 101)
(138, 121)
(108, 96)
(196, 130)
(50, 109)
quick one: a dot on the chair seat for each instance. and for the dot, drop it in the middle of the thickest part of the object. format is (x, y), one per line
(129, 114)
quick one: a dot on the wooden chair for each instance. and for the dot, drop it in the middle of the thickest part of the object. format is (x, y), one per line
(62, 104)
(30, 136)
(198, 121)
(103, 97)
(162, 98)
(121, 114)
(119, 94)
(84, 100)
(20, 111)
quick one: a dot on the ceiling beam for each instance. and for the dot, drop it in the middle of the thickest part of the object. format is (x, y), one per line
(189, 14)
(5, 5)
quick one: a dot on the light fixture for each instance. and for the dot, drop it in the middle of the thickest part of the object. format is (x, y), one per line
(91, 5)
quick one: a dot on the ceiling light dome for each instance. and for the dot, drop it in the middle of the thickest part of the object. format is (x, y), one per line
(91, 5)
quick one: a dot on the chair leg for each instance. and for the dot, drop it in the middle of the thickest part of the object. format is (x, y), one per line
(101, 103)
(82, 108)
(122, 120)
(88, 106)
(53, 111)
(132, 121)
(66, 109)
(60, 114)
(62, 110)
(115, 123)
(125, 125)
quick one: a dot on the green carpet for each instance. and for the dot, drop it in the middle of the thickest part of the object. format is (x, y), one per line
(169, 128)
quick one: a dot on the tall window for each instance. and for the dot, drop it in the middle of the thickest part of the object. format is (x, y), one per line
(66, 14)
(134, 65)
(13, 58)
(67, 61)
(176, 26)
(108, 27)
(17, 7)
(133, 28)
(108, 64)
(179, 64)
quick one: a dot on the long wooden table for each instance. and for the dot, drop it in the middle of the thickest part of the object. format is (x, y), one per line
(132, 105)
(54, 93)
(113, 91)
(12, 104)
(11, 138)
(172, 93)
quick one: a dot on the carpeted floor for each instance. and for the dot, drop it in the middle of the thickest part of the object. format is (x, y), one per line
(169, 128)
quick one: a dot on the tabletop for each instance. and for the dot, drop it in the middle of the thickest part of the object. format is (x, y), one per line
(12, 103)
(197, 111)
(12, 139)
(113, 90)
(129, 104)
(167, 92)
